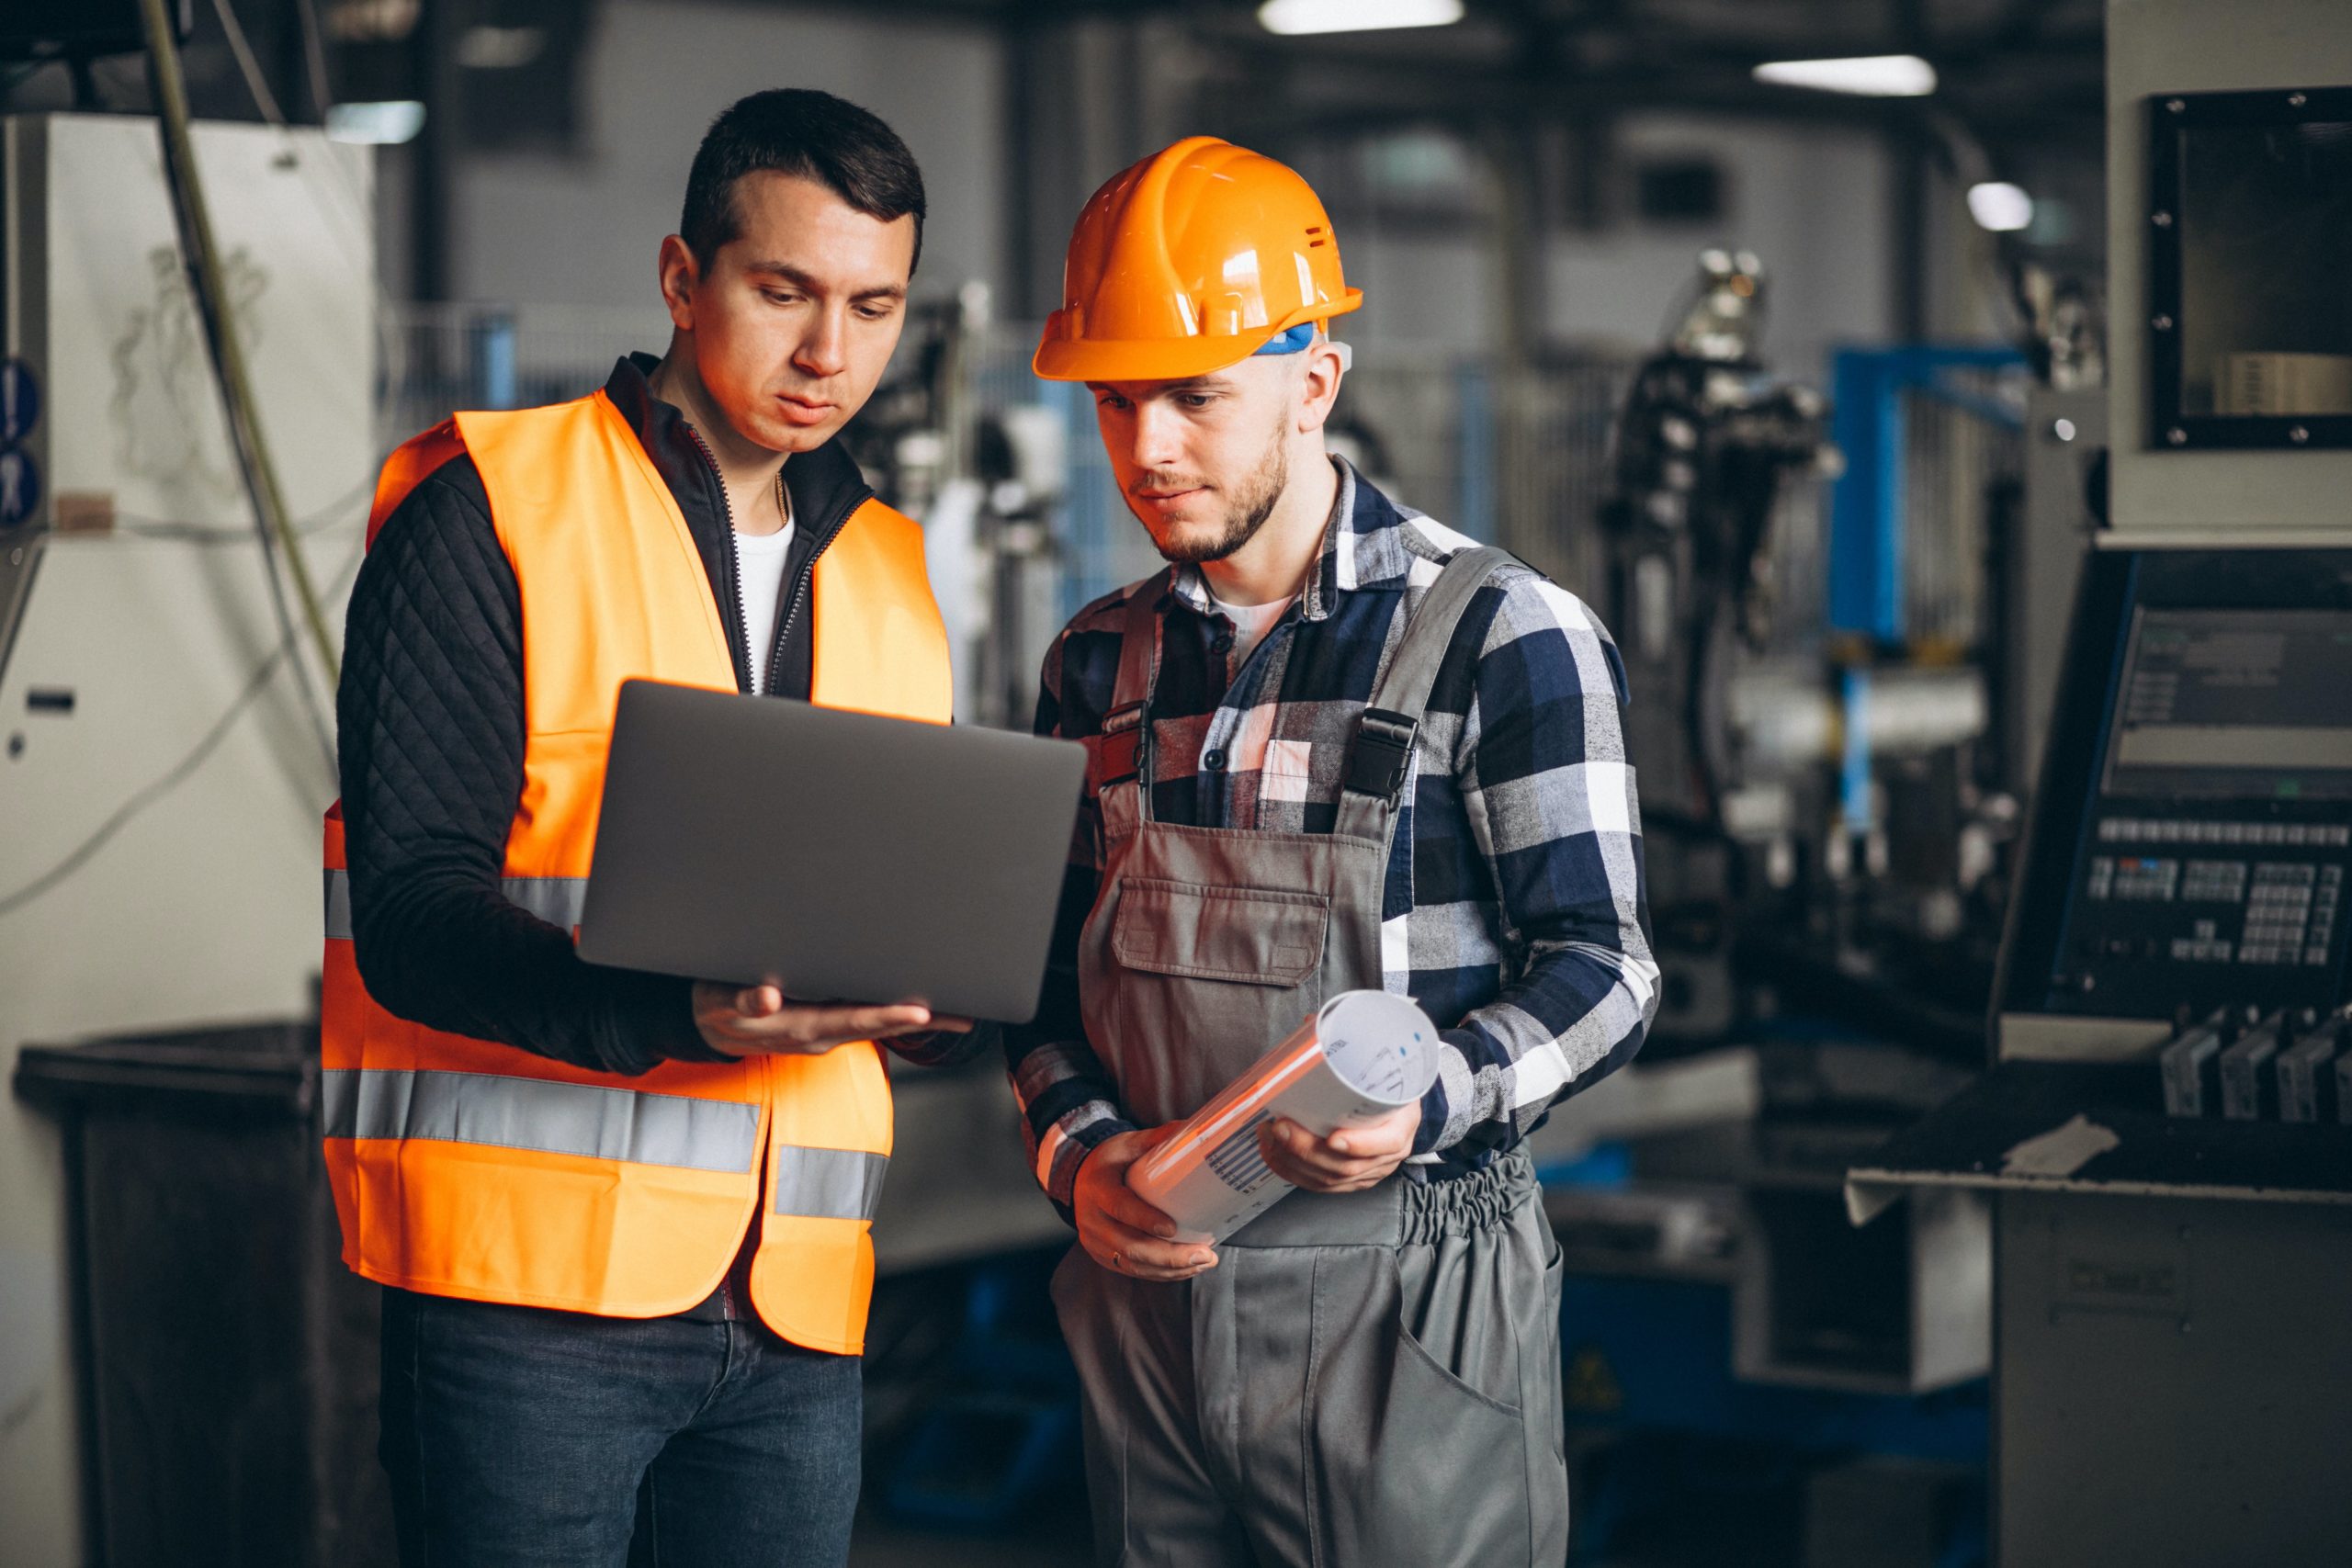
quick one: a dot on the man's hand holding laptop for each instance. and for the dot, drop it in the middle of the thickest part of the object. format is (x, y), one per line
(749, 1021)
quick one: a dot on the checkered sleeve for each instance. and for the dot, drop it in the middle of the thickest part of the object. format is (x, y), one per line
(1069, 1104)
(1541, 767)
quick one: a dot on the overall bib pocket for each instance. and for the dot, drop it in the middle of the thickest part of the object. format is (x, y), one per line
(1253, 935)
(1215, 976)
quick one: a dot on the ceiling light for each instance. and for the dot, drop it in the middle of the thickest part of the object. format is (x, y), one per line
(1291, 16)
(2000, 206)
(378, 125)
(1868, 76)
(500, 49)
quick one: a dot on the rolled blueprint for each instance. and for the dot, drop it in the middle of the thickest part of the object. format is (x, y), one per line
(1362, 1054)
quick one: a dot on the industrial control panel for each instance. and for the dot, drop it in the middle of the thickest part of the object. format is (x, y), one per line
(2206, 798)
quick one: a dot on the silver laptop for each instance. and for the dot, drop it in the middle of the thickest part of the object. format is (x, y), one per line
(849, 857)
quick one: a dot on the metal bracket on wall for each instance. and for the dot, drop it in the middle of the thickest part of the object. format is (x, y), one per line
(20, 552)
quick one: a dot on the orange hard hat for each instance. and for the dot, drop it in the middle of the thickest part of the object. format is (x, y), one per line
(1192, 259)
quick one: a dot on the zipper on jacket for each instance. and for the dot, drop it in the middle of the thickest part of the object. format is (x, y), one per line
(800, 586)
(735, 572)
(734, 584)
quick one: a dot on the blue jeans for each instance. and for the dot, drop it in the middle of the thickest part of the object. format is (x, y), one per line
(526, 1439)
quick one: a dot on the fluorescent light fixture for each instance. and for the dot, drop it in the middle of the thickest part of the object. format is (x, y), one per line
(378, 125)
(1865, 75)
(2000, 206)
(500, 49)
(1292, 17)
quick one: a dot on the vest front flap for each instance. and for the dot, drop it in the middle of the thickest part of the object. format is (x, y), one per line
(461, 1166)
(827, 1150)
(879, 646)
(813, 1280)
(552, 1231)
(612, 589)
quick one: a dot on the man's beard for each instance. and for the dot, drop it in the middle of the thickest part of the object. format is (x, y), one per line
(1253, 503)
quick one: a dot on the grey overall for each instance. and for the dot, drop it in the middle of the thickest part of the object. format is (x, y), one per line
(1365, 1379)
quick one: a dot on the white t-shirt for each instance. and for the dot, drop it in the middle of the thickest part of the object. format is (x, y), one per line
(1250, 622)
(759, 562)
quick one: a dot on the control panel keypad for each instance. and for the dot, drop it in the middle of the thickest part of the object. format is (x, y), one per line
(2278, 914)
(2136, 879)
(2286, 910)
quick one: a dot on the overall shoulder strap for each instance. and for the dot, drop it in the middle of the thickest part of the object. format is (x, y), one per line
(1126, 728)
(875, 641)
(1381, 755)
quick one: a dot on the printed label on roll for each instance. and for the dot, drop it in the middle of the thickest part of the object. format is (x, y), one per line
(1362, 1054)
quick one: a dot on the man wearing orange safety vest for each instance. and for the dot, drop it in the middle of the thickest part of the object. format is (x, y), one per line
(622, 1219)
(1334, 746)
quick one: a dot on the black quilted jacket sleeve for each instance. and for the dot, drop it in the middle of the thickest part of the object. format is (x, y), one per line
(431, 718)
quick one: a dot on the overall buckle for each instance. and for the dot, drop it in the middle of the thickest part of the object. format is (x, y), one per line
(1381, 753)
(1123, 732)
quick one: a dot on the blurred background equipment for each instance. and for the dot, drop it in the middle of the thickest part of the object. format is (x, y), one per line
(1780, 334)
(1705, 445)
(217, 1412)
(2167, 1173)
(958, 441)
(163, 775)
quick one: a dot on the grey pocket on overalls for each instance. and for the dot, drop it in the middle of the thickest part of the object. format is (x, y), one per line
(1209, 976)
(1454, 1312)
(1253, 935)
(1418, 1464)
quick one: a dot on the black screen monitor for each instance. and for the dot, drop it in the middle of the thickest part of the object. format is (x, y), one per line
(2241, 703)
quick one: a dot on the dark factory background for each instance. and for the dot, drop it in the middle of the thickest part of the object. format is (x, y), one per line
(1947, 404)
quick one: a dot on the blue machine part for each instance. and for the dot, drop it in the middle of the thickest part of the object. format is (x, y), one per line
(1854, 766)
(1656, 1355)
(19, 487)
(19, 401)
(497, 380)
(1093, 511)
(1866, 516)
(1009, 1432)
(979, 1457)
(1606, 1165)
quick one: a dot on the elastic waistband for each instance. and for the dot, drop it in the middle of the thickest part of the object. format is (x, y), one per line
(1397, 1212)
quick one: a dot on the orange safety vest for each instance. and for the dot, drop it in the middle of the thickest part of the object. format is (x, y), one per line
(465, 1169)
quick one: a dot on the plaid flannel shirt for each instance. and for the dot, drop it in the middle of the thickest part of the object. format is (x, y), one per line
(1514, 911)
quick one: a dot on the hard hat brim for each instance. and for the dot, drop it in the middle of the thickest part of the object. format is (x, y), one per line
(1165, 359)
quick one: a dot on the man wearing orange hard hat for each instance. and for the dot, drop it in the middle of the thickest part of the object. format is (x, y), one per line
(1334, 746)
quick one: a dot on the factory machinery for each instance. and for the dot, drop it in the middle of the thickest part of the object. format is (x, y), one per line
(2113, 1247)
(2164, 1127)
(2161, 1133)
(1814, 813)
(2115, 818)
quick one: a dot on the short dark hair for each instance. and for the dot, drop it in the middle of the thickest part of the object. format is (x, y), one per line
(812, 135)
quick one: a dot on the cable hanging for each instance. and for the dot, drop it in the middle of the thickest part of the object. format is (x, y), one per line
(197, 243)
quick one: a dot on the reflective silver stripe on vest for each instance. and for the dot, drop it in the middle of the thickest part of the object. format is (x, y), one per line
(829, 1184)
(558, 900)
(338, 906)
(543, 1117)
(555, 899)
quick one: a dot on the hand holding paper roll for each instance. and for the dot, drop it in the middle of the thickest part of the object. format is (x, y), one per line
(1357, 1156)
(1362, 1057)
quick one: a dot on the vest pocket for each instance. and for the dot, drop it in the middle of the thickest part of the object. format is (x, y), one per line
(1253, 935)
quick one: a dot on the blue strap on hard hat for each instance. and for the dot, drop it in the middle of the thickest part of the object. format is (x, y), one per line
(1296, 341)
